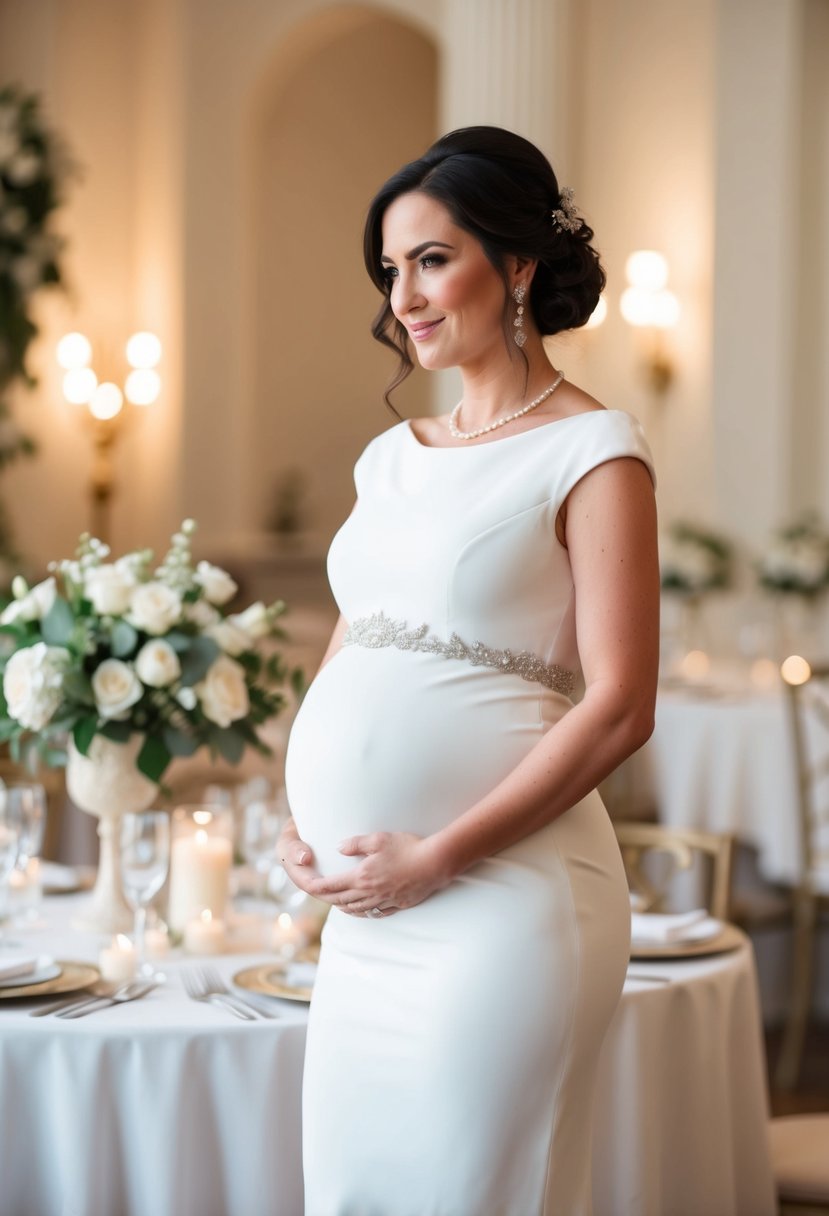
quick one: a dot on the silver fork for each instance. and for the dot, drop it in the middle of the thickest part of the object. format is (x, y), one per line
(196, 990)
(93, 993)
(128, 992)
(213, 983)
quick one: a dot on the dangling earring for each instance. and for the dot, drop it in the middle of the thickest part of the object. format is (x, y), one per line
(518, 294)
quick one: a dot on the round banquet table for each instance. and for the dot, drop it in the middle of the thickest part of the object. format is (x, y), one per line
(167, 1107)
(721, 758)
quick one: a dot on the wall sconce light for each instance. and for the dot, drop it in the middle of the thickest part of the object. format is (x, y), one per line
(647, 304)
(105, 408)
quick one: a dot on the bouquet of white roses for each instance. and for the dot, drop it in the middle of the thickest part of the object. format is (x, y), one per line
(797, 561)
(693, 560)
(117, 648)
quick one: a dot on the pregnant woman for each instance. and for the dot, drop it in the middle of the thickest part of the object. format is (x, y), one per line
(441, 775)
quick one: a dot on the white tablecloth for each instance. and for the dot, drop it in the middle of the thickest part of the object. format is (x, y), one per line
(725, 763)
(165, 1107)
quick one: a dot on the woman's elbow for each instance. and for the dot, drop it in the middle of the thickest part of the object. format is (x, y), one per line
(640, 724)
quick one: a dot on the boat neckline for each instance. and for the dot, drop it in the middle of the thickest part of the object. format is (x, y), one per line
(490, 443)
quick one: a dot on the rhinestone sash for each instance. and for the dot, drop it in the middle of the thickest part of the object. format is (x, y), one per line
(378, 631)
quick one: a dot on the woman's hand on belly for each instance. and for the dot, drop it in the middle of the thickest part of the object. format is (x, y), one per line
(297, 857)
(398, 870)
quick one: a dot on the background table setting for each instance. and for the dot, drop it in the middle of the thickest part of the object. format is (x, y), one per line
(171, 1106)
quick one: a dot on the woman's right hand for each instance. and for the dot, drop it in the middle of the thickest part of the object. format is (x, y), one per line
(297, 857)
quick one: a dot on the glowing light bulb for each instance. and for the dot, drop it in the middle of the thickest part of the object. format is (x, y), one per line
(647, 269)
(74, 350)
(79, 384)
(143, 350)
(795, 670)
(106, 401)
(142, 386)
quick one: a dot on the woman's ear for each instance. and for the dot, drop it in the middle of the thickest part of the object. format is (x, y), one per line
(521, 268)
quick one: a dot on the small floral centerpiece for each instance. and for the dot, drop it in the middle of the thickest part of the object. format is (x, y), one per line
(119, 649)
(797, 561)
(693, 560)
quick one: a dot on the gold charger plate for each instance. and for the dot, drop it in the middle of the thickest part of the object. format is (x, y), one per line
(268, 979)
(73, 977)
(729, 938)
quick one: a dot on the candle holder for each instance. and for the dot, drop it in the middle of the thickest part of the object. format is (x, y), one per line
(201, 853)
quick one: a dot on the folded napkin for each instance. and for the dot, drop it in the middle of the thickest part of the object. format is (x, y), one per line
(301, 975)
(661, 929)
(12, 968)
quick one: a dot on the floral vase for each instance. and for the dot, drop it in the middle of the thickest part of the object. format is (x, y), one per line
(106, 783)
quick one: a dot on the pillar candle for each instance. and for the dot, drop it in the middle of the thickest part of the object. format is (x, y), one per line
(199, 877)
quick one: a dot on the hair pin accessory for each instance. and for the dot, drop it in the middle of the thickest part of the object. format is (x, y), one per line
(565, 216)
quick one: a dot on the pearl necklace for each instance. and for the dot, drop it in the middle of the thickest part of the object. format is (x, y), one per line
(493, 426)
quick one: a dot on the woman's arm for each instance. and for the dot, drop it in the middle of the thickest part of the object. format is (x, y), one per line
(611, 538)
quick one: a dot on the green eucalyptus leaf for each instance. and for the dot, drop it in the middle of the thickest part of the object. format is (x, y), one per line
(197, 660)
(229, 743)
(77, 686)
(153, 758)
(123, 639)
(83, 732)
(58, 625)
(178, 742)
(118, 732)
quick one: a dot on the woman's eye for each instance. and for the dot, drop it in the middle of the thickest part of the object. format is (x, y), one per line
(432, 259)
(387, 273)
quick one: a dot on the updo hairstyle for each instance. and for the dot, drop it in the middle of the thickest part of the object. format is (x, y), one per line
(500, 188)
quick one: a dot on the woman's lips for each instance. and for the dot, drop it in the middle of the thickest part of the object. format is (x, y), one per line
(425, 331)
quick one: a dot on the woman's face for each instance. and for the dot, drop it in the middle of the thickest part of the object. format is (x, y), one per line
(442, 286)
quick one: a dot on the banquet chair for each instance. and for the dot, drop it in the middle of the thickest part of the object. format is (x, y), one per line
(678, 847)
(808, 705)
(800, 1163)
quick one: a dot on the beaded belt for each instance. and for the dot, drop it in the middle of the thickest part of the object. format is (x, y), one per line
(378, 631)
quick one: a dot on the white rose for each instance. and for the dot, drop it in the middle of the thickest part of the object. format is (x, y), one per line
(254, 620)
(109, 589)
(186, 698)
(33, 684)
(223, 692)
(230, 637)
(202, 614)
(32, 605)
(157, 664)
(218, 586)
(116, 687)
(154, 607)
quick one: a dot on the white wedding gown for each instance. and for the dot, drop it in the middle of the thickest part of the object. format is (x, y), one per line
(452, 1046)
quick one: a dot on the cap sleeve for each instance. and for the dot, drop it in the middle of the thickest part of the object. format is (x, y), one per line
(605, 435)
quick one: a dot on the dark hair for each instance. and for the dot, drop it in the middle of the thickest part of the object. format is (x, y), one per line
(500, 188)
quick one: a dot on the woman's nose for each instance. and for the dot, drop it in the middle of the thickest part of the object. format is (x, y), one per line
(407, 295)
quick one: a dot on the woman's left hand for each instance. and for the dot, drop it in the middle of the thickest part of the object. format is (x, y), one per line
(398, 870)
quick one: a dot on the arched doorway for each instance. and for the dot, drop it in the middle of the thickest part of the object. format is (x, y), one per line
(342, 105)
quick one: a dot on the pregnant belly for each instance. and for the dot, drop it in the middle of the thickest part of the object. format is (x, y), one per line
(390, 740)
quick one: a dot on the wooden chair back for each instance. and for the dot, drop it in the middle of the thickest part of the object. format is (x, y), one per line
(809, 719)
(679, 846)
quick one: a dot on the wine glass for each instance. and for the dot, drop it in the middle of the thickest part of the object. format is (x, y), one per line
(9, 843)
(262, 826)
(28, 806)
(145, 860)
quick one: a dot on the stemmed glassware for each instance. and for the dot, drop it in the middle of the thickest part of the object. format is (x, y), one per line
(262, 825)
(145, 860)
(9, 844)
(27, 803)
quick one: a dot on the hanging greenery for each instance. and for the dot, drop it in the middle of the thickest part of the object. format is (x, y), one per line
(34, 167)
